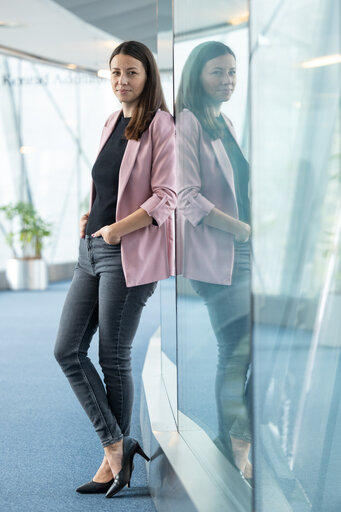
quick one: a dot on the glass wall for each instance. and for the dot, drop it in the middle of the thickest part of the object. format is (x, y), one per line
(49, 137)
(295, 50)
(211, 62)
(258, 248)
(167, 286)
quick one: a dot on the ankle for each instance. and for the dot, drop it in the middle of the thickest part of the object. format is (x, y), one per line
(240, 452)
(113, 449)
(240, 444)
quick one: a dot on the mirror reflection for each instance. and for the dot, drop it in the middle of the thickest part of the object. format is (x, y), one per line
(213, 234)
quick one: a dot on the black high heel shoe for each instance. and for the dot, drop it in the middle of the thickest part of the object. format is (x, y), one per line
(130, 447)
(95, 487)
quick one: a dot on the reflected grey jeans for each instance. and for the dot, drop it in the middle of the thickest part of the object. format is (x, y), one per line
(99, 298)
(229, 311)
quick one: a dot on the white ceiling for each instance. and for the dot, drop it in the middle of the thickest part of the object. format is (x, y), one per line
(84, 32)
(45, 29)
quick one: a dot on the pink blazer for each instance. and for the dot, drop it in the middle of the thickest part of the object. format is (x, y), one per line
(204, 181)
(146, 180)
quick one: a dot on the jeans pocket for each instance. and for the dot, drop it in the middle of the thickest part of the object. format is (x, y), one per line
(116, 246)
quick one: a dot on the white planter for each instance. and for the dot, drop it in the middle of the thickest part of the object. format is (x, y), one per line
(26, 274)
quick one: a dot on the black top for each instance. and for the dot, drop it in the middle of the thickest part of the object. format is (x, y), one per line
(240, 168)
(105, 174)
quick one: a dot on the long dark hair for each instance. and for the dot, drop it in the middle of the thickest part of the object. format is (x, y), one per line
(191, 93)
(151, 98)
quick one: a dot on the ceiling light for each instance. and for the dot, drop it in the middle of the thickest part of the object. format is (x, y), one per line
(239, 19)
(10, 24)
(103, 73)
(318, 62)
(26, 150)
(111, 44)
(71, 66)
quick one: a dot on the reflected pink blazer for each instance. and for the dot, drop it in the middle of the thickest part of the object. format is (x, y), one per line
(146, 180)
(204, 181)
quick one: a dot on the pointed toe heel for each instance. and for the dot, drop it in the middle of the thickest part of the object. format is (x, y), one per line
(95, 487)
(130, 447)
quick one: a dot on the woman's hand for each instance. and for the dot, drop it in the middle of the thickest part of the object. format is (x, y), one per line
(82, 224)
(109, 233)
(243, 232)
(221, 220)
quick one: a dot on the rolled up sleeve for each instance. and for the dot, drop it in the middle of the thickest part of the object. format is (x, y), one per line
(195, 207)
(162, 202)
(191, 203)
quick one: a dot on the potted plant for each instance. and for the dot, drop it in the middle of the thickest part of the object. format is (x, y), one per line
(25, 234)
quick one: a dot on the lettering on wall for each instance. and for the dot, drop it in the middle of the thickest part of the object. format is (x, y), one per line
(47, 79)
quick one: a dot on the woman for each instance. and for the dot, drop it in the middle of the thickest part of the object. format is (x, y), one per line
(125, 248)
(214, 229)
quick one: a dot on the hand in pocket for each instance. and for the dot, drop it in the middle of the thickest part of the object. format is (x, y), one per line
(82, 224)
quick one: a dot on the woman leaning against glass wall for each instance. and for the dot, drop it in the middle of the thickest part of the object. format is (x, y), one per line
(125, 248)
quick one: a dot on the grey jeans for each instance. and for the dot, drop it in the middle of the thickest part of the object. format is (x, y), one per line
(99, 298)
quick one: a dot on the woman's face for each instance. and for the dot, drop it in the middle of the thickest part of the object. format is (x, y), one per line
(218, 77)
(128, 78)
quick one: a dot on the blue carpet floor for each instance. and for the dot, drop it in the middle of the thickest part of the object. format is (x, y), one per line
(48, 445)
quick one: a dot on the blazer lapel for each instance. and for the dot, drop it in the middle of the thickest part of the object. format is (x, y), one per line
(127, 165)
(107, 130)
(230, 127)
(128, 162)
(126, 168)
(224, 163)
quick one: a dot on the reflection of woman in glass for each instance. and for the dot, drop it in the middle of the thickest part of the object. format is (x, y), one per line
(214, 223)
(125, 247)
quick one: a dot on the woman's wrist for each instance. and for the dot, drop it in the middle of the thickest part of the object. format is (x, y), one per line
(243, 232)
(115, 229)
(137, 220)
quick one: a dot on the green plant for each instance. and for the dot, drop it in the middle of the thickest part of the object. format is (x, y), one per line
(31, 229)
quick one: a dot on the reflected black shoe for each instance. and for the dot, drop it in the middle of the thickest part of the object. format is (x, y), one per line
(95, 487)
(130, 447)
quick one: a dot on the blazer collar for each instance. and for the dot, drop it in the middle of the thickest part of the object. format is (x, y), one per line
(222, 157)
(129, 156)
(108, 129)
(128, 159)
(127, 165)
(224, 162)
(229, 126)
